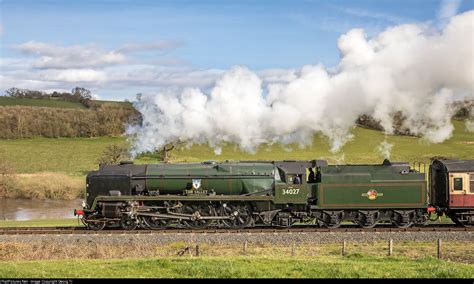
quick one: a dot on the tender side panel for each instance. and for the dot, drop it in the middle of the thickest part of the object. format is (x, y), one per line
(373, 195)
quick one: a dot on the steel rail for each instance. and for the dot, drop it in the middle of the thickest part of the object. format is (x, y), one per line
(269, 230)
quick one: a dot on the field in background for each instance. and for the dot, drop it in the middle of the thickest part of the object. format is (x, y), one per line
(75, 157)
(80, 155)
(51, 102)
(8, 101)
(41, 223)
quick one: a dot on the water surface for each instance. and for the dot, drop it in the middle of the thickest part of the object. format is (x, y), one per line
(27, 209)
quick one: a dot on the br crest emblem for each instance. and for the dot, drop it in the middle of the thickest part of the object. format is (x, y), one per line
(372, 194)
(196, 183)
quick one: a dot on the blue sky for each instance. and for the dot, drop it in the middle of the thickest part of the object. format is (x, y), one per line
(120, 48)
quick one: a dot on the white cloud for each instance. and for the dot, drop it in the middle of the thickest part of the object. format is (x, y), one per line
(65, 57)
(74, 75)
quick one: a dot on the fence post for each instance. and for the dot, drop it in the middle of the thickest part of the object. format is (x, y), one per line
(390, 247)
(343, 247)
(293, 249)
(244, 249)
(197, 250)
(440, 253)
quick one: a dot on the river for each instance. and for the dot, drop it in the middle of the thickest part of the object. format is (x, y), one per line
(27, 209)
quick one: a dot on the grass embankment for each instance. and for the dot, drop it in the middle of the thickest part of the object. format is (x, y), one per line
(8, 101)
(223, 267)
(76, 157)
(461, 251)
(410, 259)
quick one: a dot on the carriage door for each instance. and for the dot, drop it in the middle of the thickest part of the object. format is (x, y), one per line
(459, 190)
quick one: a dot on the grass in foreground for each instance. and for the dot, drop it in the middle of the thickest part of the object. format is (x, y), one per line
(49, 250)
(352, 266)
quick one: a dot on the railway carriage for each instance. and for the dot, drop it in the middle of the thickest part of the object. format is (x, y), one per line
(452, 189)
(274, 193)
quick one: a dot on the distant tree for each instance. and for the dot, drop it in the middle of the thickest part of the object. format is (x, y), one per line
(164, 153)
(114, 154)
(15, 92)
(82, 95)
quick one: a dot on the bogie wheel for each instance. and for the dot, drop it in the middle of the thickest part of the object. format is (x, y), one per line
(240, 214)
(94, 223)
(198, 210)
(128, 223)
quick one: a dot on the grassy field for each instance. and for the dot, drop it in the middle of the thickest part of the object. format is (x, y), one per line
(8, 101)
(41, 223)
(72, 156)
(78, 156)
(353, 266)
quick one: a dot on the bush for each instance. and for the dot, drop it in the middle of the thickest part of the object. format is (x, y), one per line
(103, 120)
(45, 186)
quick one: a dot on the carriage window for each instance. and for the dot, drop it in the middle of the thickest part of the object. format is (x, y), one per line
(457, 184)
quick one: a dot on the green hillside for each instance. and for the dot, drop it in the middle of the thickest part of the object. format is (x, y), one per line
(8, 101)
(77, 156)
(51, 102)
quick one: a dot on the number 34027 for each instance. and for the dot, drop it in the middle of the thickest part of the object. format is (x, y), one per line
(291, 191)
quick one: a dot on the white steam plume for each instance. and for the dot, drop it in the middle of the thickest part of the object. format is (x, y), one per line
(385, 149)
(410, 69)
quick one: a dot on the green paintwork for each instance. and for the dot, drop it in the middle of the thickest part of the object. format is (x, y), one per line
(291, 193)
(221, 178)
(366, 186)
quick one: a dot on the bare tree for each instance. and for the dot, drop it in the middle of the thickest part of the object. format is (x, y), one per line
(114, 154)
(165, 153)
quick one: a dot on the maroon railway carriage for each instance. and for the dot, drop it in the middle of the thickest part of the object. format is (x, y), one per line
(452, 189)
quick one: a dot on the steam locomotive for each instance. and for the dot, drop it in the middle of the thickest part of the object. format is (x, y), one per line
(276, 193)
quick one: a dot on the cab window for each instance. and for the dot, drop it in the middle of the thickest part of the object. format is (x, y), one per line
(457, 184)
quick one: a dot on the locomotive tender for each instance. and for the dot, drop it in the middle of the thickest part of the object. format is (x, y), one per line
(276, 193)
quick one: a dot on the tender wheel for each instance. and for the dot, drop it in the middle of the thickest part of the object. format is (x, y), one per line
(402, 220)
(240, 213)
(332, 219)
(94, 223)
(128, 223)
(155, 223)
(367, 219)
(198, 210)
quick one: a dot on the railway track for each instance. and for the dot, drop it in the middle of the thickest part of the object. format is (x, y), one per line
(260, 230)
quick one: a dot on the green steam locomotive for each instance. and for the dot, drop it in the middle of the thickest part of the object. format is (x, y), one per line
(276, 193)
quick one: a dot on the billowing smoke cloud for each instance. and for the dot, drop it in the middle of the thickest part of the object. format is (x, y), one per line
(413, 69)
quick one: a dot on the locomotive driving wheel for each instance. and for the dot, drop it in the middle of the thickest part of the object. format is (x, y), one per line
(155, 223)
(240, 214)
(128, 223)
(198, 210)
